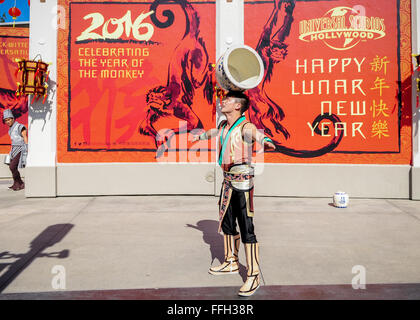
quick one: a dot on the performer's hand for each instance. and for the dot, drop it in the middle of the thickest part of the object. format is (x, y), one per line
(269, 145)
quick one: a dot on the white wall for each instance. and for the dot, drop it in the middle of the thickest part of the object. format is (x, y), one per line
(41, 165)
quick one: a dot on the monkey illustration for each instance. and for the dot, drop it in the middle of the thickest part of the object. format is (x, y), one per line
(188, 71)
(265, 113)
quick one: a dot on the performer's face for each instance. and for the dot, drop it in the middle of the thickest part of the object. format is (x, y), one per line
(9, 121)
(230, 105)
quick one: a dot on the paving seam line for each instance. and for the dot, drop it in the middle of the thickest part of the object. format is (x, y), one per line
(407, 213)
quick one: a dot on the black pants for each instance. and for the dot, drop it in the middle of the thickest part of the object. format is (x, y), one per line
(237, 211)
(13, 166)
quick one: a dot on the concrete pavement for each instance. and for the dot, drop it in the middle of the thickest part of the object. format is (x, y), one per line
(163, 242)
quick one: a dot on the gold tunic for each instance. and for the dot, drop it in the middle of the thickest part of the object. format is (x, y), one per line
(235, 157)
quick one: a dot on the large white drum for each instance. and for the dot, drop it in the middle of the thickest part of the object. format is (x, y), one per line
(240, 68)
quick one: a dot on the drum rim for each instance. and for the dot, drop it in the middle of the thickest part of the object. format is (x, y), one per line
(226, 69)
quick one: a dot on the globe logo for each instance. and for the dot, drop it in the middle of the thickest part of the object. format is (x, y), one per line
(342, 28)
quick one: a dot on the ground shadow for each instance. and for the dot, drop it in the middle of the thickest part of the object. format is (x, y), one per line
(215, 242)
(47, 238)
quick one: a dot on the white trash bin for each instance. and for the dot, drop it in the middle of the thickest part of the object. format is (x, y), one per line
(341, 199)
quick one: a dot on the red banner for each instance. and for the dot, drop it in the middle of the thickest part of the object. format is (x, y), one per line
(135, 77)
(133, 72)
(335, 80)
(14, 44)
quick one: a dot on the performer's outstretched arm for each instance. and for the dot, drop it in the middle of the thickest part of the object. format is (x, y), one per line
(251, 134)
(25, 135)
(209, 134)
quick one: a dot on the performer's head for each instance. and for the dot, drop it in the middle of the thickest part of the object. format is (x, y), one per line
(235, 101)
(8, 117)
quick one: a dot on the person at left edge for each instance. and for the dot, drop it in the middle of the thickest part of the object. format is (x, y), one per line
(19, 151)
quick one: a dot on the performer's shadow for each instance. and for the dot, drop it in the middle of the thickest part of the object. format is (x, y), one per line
(215, 242)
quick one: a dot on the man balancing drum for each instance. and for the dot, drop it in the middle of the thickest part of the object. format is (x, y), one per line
(236, 136)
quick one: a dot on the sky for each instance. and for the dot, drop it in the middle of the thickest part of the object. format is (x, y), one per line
(22, 5)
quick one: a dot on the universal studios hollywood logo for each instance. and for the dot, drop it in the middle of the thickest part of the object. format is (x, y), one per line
(342, 28)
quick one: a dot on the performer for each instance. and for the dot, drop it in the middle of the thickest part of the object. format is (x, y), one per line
(19, 137)
(236, 136)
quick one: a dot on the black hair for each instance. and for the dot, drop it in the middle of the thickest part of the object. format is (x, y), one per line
(241, 97)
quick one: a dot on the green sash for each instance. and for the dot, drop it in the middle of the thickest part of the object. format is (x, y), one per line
(223, 143)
